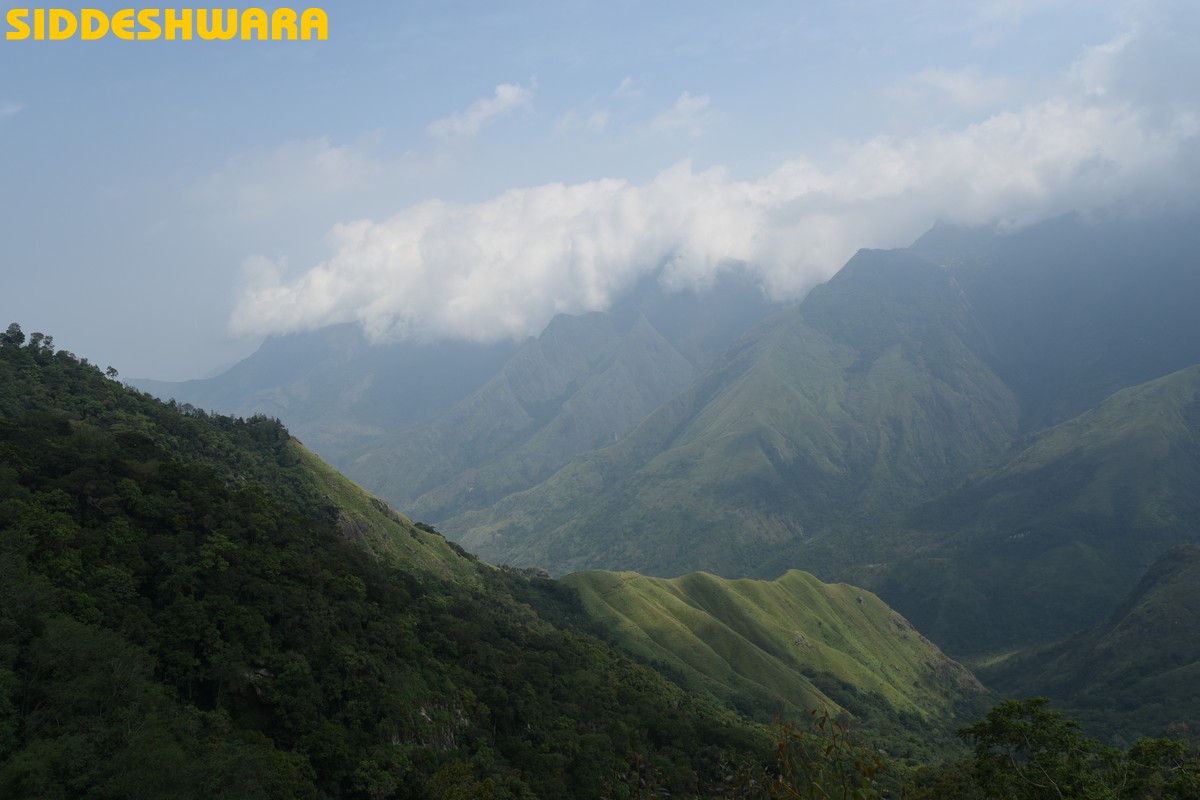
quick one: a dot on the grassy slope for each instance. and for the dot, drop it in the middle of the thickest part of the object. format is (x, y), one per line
(390, 536)
(785, 647)
(762, 647)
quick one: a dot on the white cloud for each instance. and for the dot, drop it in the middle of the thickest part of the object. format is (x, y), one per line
(1011, 12)
(503, 267)
(688, 116)
(467, 124)
(9, 110)
(596, 122)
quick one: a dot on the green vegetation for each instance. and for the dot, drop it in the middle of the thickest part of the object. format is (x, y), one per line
(579, 386)
(1025, 751)
(997, 433)
(1135, 674)
(187, 611)
(1066, 523)
(195, 605)
(822, 761)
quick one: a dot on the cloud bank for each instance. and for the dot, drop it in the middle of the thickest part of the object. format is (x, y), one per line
(501, 268)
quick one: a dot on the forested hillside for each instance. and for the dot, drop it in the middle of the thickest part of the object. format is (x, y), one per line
(188, 610)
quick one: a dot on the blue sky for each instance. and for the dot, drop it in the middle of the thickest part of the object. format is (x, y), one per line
(468, 169)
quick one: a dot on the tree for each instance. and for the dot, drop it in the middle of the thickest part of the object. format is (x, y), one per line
(821, 761)
(13, 337)
(1025, 750)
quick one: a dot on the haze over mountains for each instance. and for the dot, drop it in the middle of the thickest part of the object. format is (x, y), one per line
(523, 410)
(338, 390)
(995, 431)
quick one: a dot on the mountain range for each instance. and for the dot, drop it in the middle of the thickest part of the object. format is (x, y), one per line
(992, 430)
(902, 421)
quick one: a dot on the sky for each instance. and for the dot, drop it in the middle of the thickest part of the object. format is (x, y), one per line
(468, 169)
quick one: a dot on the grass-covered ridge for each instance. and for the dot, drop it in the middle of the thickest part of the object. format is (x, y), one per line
(788, 646)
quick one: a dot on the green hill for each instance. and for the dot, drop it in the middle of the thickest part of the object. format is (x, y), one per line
(784, 647)
(984, 429)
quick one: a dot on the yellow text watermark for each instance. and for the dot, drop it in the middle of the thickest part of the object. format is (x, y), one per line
(182, 24)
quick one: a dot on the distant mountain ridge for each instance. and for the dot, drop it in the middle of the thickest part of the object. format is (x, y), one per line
(867, 396)
(433, 426)
(1065, 523)
(336, 390)
(583, 384)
